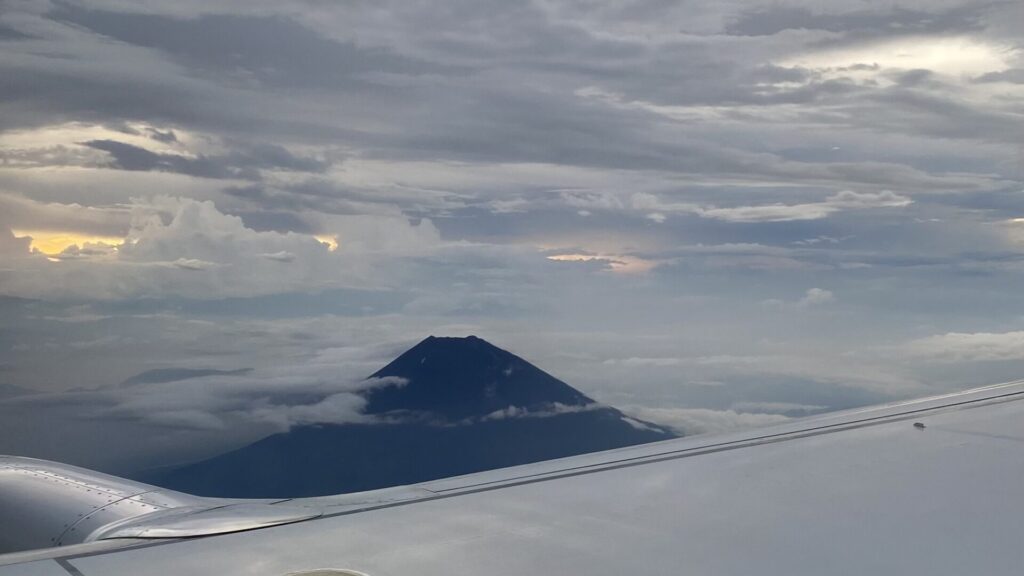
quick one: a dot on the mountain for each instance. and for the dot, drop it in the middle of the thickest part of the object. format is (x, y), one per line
(459, 378)
(457, 405)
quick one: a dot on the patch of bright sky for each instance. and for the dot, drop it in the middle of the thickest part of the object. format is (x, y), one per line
(706, 114)
(72, 133)
(330, 241)
(53, 243)
(954, 55)
(618, 263)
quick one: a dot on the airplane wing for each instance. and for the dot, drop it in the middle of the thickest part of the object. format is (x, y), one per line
(927, 487)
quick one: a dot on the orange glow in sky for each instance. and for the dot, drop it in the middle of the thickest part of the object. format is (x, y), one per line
(52, 243)
(331, 241)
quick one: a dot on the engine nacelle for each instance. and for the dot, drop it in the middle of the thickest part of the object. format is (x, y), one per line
(45, 504)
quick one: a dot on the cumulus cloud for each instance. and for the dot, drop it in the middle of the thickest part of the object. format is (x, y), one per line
(816, 297)
(182, 247)
(23, 213)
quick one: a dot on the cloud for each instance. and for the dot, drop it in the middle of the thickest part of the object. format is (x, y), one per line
(318, 393)
(343, 408)
(553, 409)
(24, 213)
(814, 374)
(816, 297)
(282, 256)
(690, 421)
(767, 21)
(969, 347)
(1012, 76)
(164, 375)
(183, 247)
(792, 409)
(275, 51)
(192, 264)
(11, 245)
(242, 163)
(845, 200)
(634, 361)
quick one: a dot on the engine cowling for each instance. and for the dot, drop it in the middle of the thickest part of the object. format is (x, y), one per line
(44, 504)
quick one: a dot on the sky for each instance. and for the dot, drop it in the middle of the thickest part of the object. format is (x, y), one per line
(708, 214)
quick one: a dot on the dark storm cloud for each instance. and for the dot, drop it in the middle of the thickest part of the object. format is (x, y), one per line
(166, 137)
(40, 96)
(772, 20)
(128, 157)
(498, 114)
(11, 391)
(309, 196)
(7, 33)
(914, 78)
(273, 156)
(724, 81)
(165, 375)
(541, 127)
(998, 203)
(242, 163)
(1014, 76)
(270, 50)
(933, 113)
(115, 83)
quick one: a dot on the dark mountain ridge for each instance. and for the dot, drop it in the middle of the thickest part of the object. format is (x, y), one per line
(463, 406)
(457, 378)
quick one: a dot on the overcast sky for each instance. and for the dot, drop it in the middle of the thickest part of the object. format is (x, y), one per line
(709, 214)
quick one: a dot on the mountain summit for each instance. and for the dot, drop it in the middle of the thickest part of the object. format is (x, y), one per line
(459, 378)
(461, 405)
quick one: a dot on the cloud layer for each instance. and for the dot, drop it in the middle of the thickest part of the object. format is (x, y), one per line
(737, 207)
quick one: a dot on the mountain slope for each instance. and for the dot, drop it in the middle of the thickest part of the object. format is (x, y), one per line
(465, 406)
